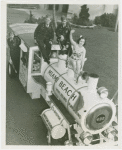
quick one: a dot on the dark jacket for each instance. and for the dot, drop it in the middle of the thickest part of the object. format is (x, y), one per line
(65, 31)
(44, 33)
(15, 51)
(14, 44)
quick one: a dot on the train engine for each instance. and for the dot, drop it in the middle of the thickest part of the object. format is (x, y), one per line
(79, 114)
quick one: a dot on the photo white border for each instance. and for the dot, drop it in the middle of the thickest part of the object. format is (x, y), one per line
(3, 68)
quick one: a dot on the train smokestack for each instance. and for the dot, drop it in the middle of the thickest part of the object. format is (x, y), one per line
(92, 82)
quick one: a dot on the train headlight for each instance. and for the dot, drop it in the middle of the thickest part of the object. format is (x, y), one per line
(68, 143)
(86, 137)
(103, 92)
(111, 133)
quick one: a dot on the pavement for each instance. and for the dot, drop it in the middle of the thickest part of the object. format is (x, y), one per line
(38, 13)
(23, 123)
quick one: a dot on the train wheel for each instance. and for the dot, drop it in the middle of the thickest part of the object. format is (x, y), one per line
(11, 71)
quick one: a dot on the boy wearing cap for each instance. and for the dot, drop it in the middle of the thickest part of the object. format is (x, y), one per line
(44, 35)
(62, 33)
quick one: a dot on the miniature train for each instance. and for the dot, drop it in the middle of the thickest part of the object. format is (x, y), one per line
(78, 114)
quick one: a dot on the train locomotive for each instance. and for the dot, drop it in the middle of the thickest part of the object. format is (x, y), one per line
(78, 114)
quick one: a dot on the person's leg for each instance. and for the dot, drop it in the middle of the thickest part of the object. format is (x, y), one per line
(48, 49)
(66, 46)
(69, 50)
(78, 66)
(17, 59)
(61, 47)
(73, 63)
(42, 49)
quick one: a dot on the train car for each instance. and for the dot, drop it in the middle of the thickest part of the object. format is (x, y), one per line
(78, 114)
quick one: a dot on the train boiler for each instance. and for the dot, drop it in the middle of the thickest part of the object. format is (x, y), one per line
(92, 111)
(78, 114)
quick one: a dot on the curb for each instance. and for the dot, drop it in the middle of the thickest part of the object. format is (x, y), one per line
(79, 26)
(84, 27)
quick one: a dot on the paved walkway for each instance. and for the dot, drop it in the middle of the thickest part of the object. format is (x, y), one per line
(24, 126)
(38, 13)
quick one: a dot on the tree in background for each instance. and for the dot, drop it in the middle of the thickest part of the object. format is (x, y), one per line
(97, 20)
(84, 13)
(31, 19)
(84, 17)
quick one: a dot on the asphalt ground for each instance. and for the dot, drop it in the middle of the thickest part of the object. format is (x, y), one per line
(23, 123)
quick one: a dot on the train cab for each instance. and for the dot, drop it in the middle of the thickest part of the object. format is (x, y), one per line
(31, 62)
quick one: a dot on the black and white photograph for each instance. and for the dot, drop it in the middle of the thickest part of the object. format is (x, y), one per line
(62, 74)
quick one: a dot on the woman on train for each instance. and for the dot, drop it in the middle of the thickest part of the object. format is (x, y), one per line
(76, 60)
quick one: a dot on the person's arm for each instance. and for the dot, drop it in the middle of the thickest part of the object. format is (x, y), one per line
(51, 35)
(68, 34)
(36, 31)
(58, 34)
(71, 38)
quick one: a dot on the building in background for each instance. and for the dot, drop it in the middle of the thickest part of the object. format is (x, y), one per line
(58, 7)
(94, 10)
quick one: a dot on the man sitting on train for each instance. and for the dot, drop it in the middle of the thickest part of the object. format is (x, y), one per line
(62, 33)
(44, 35)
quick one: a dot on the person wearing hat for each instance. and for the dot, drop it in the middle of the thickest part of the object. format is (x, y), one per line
(44, 35)
(62, 33)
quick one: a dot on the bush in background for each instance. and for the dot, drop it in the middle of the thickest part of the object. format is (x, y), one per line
(97, 20)
(106, 20)
(83, 18)
(74, 19)
(85, 22)
(31, 19)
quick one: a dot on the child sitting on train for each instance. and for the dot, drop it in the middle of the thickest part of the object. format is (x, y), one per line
(76, 60)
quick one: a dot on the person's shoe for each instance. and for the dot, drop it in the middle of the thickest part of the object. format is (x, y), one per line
(17, 75)
(45, 60)
(48, 61)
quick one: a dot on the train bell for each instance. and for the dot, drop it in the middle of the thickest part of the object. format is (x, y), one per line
(86, 138)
